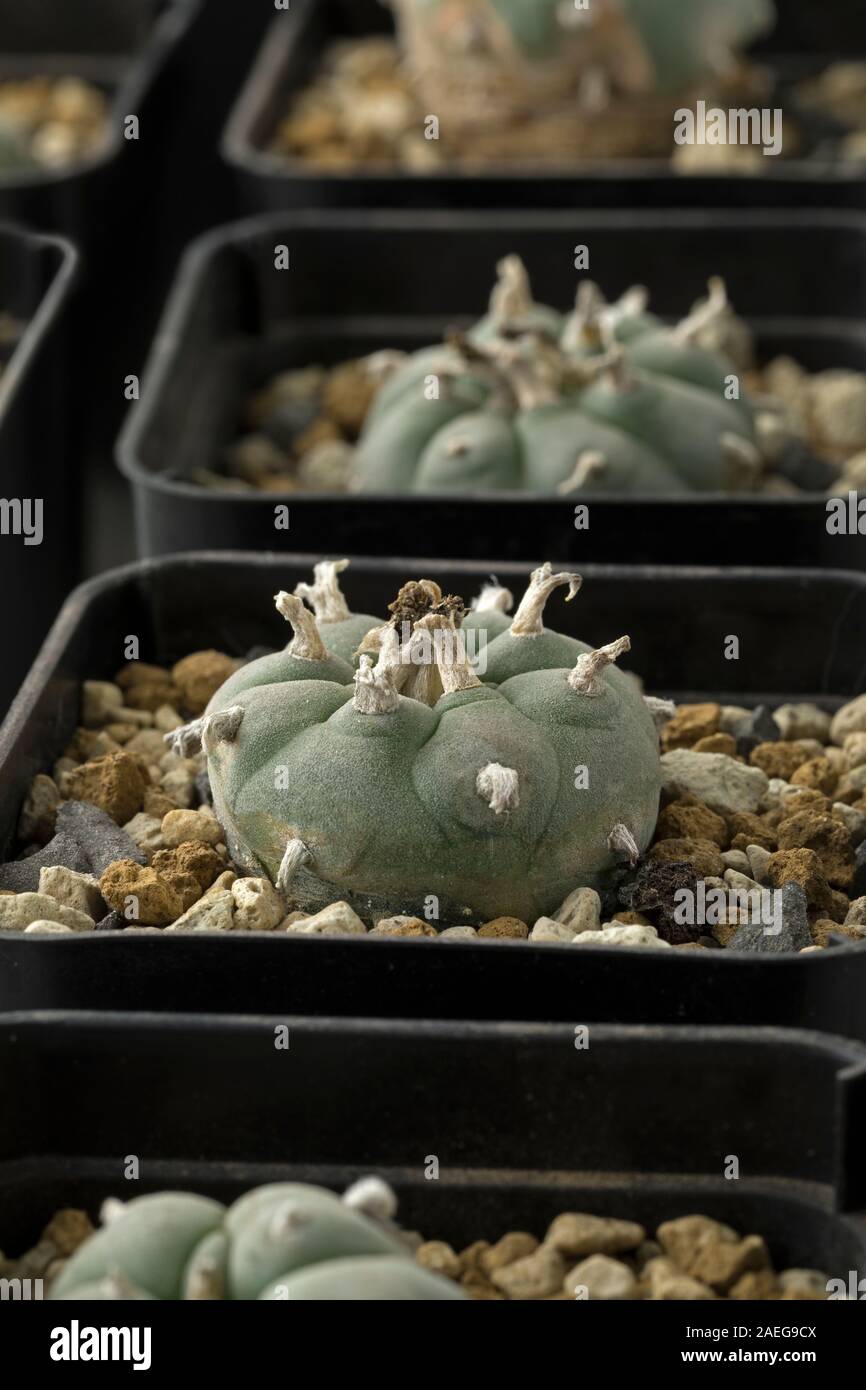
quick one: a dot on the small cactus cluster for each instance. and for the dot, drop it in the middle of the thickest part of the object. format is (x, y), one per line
(286, 1241)
(606, 399)
(411, 779)
(488, 61)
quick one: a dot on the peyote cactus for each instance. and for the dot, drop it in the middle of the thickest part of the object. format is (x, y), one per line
(415, 778)
(485, 62)
(606, 399)
(284, 1241)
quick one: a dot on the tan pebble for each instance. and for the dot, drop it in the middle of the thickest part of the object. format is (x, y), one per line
(440, 1258)
(141, 894)
(689, 819)
(817, 773)
(39, 812)
(148, 743)
(180, 786)
(601, 1278)
(710, 1251)
(403, 926)
(516, 1245)
(535, 1276)
(116, 784)
(554, 933)
(800, 866)
(629, 918)
(823, 927)
(802, 721)
(141, 673)
(830, 841)
(581, 911)
(101, 702)
(151, 697)
(213, 912)
(690, 723)
(808, 1284)
(757, 1284)
(68, 1229)
(478, 1286)
(200, 676)
(505, 927)
(258, 905)
(121, 732)
(142, 718)
(856, 914)
(337, 918)
(192, 857)
(781, 759)
(703, 855)
(222, 883)
(19, 910)
(458, 934)
(850, 719)
(855, 750)
(577, 1234)
(472, 1256)
(146, 831)
(78, 891)
(668, 1282)
(157, 804)
(717, 743)
(167, 719)
(178, 826)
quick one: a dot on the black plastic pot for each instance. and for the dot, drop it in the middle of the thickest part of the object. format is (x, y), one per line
(801, 638)
(131, 49)
(122, 46)
(36, 464)
(361, 281)
(640, 1123)
(293, 49)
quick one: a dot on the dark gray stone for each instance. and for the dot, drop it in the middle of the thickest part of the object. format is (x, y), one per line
(858, 883)
(806, 470)
(112, 921)
(202, 786)
(101, 838)
(289, 419)
(22, 875)
(760, 727)
(794, 935)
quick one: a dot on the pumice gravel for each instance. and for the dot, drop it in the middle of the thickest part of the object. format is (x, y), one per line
(450, 772)
(293, 1240)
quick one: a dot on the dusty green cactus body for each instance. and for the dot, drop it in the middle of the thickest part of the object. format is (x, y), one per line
(606, 399)
(479, 62)
(287, 1240)
(388, 1278)
(421, 779)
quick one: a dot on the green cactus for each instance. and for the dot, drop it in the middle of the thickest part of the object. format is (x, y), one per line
(606, 399)
(287, 1240)
(419, 778)
(482, 61)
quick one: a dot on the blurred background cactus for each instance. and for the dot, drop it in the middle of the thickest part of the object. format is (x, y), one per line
(605, 399)
(482, 64)
(286, 1241)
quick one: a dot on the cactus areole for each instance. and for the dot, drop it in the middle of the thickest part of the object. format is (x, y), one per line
(607, 399)
(420, 784)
